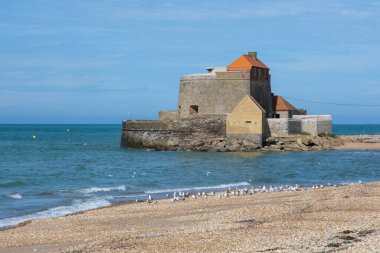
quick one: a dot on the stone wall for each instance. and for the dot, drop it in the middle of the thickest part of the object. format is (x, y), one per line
(201, 134)
(282, 127)
(168, 115)
(212, 95)
(315, 124)
(145, 125)
(262, 93)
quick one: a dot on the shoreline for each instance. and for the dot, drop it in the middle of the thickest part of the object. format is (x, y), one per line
(189, 193)
(107, 219)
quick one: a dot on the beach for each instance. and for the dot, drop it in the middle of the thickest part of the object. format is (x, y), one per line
(329, 219)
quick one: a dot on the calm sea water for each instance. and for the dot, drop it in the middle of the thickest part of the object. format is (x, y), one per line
(69, 168)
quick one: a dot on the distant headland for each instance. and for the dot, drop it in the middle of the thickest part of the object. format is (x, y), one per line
(231, 109)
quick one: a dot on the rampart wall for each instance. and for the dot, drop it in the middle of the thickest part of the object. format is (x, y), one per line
(282, 127)
(168, 115)
(315, 124)
(208, 132)
(202, 133)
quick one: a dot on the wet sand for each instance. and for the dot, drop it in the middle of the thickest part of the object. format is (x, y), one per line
(359, 146)
(344, 219)
(360, 142)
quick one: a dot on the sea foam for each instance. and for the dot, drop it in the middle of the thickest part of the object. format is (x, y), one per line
(77, 206)
(15, 196)
(220, 186)
(103, 189)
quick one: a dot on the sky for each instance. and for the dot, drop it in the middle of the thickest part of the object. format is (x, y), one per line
(102, 61)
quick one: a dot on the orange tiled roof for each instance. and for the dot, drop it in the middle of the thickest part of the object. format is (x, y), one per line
(246, 62)
(280, 104)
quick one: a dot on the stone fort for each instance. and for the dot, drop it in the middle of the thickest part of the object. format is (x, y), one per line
(227, 108)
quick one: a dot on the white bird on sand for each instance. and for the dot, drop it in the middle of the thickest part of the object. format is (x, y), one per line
(150, 198)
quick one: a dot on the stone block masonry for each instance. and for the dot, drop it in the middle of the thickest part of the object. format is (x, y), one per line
(315, 124)
(168, 115)
(208, 95)
(202, 133)
(308, 124)
(282, 127)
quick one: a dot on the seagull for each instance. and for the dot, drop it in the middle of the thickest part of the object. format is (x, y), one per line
(208, 172)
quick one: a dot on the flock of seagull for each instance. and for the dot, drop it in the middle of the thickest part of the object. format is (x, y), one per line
(180, 195)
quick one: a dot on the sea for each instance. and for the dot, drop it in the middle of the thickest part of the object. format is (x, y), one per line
(57, 170)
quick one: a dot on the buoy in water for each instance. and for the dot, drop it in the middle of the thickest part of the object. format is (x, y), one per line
(68, 129)
(34, 137)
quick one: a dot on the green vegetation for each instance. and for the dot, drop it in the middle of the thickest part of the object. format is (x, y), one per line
(327, 135)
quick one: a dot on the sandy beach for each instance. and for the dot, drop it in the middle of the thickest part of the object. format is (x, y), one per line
(360, 142)
(344, 219)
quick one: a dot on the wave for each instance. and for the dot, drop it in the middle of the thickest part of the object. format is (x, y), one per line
(220, 186)
(46, 193)
(13, 184)
(77, 206)
(15, 196)
(104, 189)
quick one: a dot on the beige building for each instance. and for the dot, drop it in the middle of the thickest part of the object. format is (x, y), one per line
(246, 119)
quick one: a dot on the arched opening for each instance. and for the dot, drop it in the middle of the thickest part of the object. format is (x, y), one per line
(194, 110)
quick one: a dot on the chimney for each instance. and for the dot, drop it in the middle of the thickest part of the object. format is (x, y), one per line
(253, 54)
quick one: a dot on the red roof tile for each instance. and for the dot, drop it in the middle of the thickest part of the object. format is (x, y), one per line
(246, 62)
(280, 104)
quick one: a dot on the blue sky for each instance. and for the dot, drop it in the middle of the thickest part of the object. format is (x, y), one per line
(101, 61)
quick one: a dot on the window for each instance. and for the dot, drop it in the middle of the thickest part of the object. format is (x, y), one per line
(194, 109)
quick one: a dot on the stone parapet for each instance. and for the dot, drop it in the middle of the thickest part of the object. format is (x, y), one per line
(168, 115)
(315, 124)
(232, 75)
(202, 134)
(145, 125)
(282, 127)
(206, 76)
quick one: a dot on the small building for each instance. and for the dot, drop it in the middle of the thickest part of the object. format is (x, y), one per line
(284, 109)
(246, 119)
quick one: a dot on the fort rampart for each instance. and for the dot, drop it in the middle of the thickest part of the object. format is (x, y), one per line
(208, 132)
